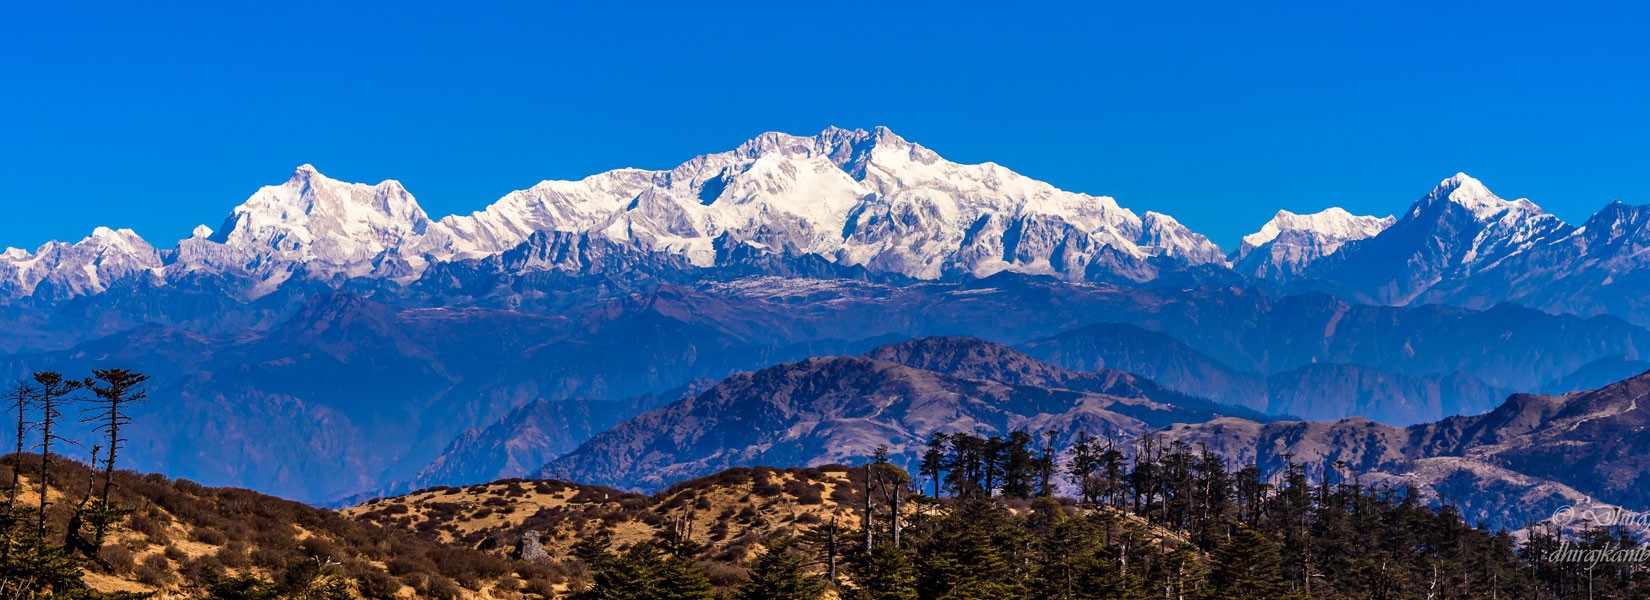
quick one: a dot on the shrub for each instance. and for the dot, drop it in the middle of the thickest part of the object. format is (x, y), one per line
(151, 526)
(208, 535)
(377, 585)
(766, 487)
(154, 570)
(806, 493)
(440, 588)
(201, 568)
(118, 558)
(235, 554)
(540, 587)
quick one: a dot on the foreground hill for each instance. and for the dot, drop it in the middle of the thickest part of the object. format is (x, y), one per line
(1202, 531)
(182, 537)
(731, 512)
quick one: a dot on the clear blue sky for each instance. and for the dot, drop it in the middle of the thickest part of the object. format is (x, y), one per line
(160, 116)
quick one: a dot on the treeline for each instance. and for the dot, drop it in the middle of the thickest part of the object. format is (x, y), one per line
(1151, 519)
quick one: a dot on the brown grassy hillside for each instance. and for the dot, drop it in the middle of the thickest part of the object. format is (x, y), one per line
(180, 535)
(732, 512)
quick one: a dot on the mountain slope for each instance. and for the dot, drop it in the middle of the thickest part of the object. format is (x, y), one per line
(979, 359)
(1316, 390)
(824, 410)
(59, 270)
(1509, 467)
(1457, 230)
(819, 411)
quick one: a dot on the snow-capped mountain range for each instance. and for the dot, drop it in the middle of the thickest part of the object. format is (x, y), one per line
(870, 199)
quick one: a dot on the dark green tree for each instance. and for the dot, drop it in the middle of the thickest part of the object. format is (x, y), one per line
(780, 574)
(884, 573)
(1247, 567)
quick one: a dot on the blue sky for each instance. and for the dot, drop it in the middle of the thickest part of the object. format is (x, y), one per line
(161, 116)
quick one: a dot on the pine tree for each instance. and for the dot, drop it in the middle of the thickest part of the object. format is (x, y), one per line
(19, 401)
(51, 392)
(933, 460)
(883, 573)
(1248, 567)
(115, 391)
(778, 574)
(682, 579)
(1084, 468)
(635, 574)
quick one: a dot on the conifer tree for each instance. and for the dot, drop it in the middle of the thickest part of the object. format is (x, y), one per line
(883, 573)
(682, 579)
(1247, 567)
(933, 460)
(632, 575)
(779, 574)
(52, 391)
(115, 391)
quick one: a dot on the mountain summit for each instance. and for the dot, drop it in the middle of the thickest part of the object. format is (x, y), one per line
(1289, 242)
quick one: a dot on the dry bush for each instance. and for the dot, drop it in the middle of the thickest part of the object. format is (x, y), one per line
(541, 588)
(440, 588)
(806, 492)
(236, 554)
(153, 570)
(376, 585)
(209, 536)
(118, 558)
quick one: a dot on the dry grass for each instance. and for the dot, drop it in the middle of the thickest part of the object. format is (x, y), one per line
(731, 512)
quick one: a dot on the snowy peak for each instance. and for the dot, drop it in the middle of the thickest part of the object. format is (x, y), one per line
(1333, 225)
(1289, 242)
(326, 227)
(1471, 194)
(1618, 229)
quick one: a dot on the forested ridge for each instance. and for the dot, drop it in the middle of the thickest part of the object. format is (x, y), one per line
(1152, 520)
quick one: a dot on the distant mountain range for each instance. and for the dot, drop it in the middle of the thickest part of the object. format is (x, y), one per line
(862, 202)
(331, 339)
